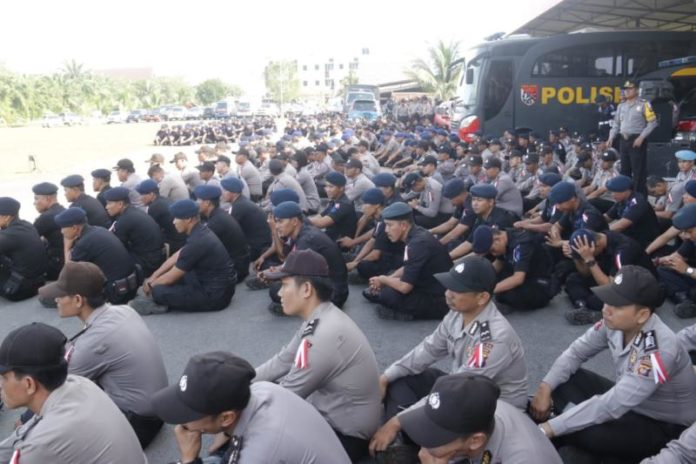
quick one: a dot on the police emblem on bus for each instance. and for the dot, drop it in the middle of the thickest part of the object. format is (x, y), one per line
(529, 94)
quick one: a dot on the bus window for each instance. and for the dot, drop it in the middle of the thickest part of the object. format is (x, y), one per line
(643, 58)
(468, 92)
(580, 61)
(498, 86)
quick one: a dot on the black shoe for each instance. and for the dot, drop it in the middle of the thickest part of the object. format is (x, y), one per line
(355, 278)
(276, 309)
(254, 283)
(389, 314)
(503, 308)
(579, 304)
(372, 297)
(680, 297)
(686, 309)
(398, 452)
(583, 316)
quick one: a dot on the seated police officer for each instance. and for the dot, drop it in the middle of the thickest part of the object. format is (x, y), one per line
(101, 183)
(577, 214)
(97, 245)
(631, 214)
(338, 219)
(681, 450)
(410, 292)
(74, 189)
(47, 205)
(386, 182)
(522, 263)
(474, 336)
(261, 422)
(23, 257)
(115, 349)
(71, 413)
(430, 209)
(225, 227)
(138, 232)
(199, 277)
(329, 360)
(249, 215)
(544, 214)
(654, 397)
(158, 209)
(452, 231)
(464, 418)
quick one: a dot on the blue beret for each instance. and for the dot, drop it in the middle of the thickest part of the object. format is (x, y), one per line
(147, 186)
(398, 210)
(102, 174)
(336, 178)
(579, 234)
(690, 188)
(384, 179)
(420, 128)
(373, 196)
(117, 194)
(232, 184)
(287, 210)
(71, 217)
(685, 217)
(410, 179)
(282, 195)
(454, 138)
(8, 206)
(562, 191)
(297, 133)
(287, 137)
(440, 131)
(346, 137)
(45, 188)
(387, 133)
(72, 181)
(482, 240)
(687, 155)
(184, 209)
(484, 191)
(348, 131)
(207, 192)
(550, 178)
(453, 188)
(619, 184)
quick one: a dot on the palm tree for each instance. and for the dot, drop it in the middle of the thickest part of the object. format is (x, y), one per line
(73, 70)
(437, 75)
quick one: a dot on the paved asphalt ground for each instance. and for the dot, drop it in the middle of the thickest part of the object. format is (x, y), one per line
(249, 330)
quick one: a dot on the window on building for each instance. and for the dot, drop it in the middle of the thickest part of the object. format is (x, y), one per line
(316, 67)
(316, 83)
(498, 87)
(304, 83)
(328, 67)
(365, 51)
(304, 67)
(340, 66)
(327, 82)
(353, 66)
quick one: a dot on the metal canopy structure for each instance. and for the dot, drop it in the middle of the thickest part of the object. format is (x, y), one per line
(573, 15)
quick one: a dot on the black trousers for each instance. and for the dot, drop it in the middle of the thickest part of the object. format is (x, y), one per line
(356, 448)
(578, 288)
(631, 437)
(420, 305)
(190, 296)
(406, 391)
(241, 267)
(430, 222)
(386, 264)
(634, 162)
(529, 295)
(676, 283)
(145, 428)
(14, 287)
(601, 204)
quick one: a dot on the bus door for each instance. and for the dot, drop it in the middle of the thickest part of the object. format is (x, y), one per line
(498, 105)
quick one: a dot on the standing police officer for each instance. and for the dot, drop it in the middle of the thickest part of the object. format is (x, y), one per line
(74, 188)
(47, 205)
(634, 121)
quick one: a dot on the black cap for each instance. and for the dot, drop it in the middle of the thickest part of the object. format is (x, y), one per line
(206, 166)
(410, 179)
(211, 383)
(306, 263)
(35, 345)
(224, 159)
(45, 188)
(104, 174)
(9, 206)
(492, 162)
(76, 278)
(472, 274)
(397, 211)
(430, 159)
(609, 155)
(458, 405)
(632, 285)
(126, 164)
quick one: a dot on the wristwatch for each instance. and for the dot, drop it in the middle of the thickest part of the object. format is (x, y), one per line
(690, 271)
(590, 263)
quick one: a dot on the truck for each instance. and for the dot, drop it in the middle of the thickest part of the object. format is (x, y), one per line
(359, 92)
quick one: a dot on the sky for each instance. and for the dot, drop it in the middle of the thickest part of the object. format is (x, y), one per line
(233, 40)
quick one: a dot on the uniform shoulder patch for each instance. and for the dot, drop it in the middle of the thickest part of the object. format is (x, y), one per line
(485, 332)
(487, 457)
(474, 328)
(644, 366)
(649, 341)
(310, 327)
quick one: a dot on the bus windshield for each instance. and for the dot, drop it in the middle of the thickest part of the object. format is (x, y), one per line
(469, 85)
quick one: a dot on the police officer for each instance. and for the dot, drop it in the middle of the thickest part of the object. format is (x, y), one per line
(483, 211)
(597, 193)
(523, 266)
(23, 258)
(329, 360)
(606, 111)
(250, 217)
(190, 175)
(158, 209)
(261, 422)
(425, 198)
(631, 214)
(451, 231)
(476, 174)
(410, 292)
(687, 172)
(115, 349)
(559, 150)
(125, 170)
(138, 232)
(544, 214)
(101, 182)
(508, 197)
(74, 189)
(171, 186)
(46, 203)
(386, 181)
(464, 417)
(682, 450)
(71, 413)
(527, 178)
(356, 181)
(577, 214)
(283, 180)
(654, 397)
(338, 219)
(634, 121)
(296, 234)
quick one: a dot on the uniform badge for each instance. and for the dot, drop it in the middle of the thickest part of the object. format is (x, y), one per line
(302, 355)
(517, 254)
(337, 206)
(649, 341)
(460, 268)
(310, 327)
(183, 383)
(474, 328)
(485, 332)
(632, 358)
(487, 457)
(434, 400)
(644, 366)
(638, 339)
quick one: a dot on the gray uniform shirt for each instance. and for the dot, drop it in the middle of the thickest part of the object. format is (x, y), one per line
(600, 180)
(173, 187)
(509, 196)
(634, 117)
(687, 337)
(191, 177)
(371, 166)
(286, 181)
(431, 201)
(309, 188)
(78, 424)
(278, 426)
(680, 451)
(488, 345)
(134, 197)
(356, 187)
(636, 368)
(251, 175)
(330, 363)
(119, 353)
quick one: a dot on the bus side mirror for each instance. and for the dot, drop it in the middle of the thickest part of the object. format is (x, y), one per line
(470, 75)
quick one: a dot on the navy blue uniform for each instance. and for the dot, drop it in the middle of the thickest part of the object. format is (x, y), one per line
(142, 238)
(252, 220)
(585, 217)
(23, 261)
(391, 254)
(681, 283)
(49, 231)
(96, 214)
(644, 228)
(209, 282)
(498, 217)
(159, 211)
(100, 196)
(232, 237)
(343, 214)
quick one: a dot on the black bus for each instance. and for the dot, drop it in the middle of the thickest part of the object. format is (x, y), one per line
(545, 83)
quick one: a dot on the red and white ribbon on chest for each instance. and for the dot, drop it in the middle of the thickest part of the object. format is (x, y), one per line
(659, 371)
(302, 355)
(476, 360)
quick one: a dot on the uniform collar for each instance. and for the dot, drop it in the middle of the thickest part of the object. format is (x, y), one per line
(483, 316)
(95, 314)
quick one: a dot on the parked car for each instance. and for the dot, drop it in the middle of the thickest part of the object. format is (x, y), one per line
(364, 109)
(194, 113)
(268, 109)
(177, 113)
(116, 117)
(70, 119)
(51, 120)
(208, 113)
(152, 116)
(136, 116)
